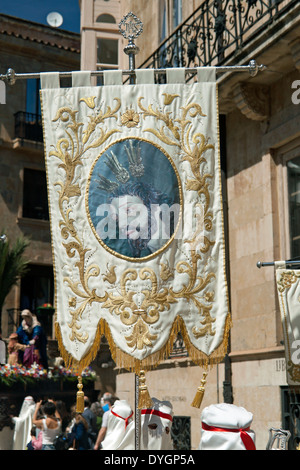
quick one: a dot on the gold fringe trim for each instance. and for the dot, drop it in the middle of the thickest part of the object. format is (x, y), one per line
(125, 361)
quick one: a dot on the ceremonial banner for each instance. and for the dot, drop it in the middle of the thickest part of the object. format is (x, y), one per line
(136, 217)
(288, 288)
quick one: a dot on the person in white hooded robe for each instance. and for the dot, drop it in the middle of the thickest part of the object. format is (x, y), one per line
(226, 427)
(120, 417)
(156, 425)
(23, 424)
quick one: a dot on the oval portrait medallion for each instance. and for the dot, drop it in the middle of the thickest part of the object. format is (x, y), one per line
(134, 199)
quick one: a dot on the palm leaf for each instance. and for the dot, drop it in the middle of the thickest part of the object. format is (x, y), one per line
(13, 265)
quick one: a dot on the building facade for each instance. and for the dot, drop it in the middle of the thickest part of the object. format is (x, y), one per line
(27, 48)
(260, 159)
(260, 139)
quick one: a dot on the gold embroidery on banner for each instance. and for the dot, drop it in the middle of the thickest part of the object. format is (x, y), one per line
(293, 371)
(70, 151)
(130, 118)
(140, 336)
(147, 313)
(193, 148)
(190, 292)
(89, 101)
(166, 119)
(157, 299)
(194, 155)
(110, 275)
(169, 97)
(165, 271)
(124, 360)
(287, 278)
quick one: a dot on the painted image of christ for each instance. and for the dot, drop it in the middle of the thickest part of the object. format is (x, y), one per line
(134, 198)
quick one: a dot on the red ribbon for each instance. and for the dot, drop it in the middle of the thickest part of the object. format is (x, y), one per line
(125, 419)
(247, 440)
(150, 411)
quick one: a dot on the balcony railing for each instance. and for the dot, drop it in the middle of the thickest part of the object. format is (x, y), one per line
(28, 126)
(216, 31)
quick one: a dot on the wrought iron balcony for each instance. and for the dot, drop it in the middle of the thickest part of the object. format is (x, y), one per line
(28, 126)
(216, 31)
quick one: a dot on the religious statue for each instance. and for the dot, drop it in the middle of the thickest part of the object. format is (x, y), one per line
(31, 333)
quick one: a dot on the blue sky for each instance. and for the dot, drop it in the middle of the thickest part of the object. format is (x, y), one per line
(37, 10)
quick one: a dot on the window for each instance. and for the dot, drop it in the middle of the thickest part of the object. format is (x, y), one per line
(28, 123)
(163, 28)
(105, 18)
(33, 104)
(171, 17)
(293, 169)
(177, 13)
(35, 201)
(107, 53)
(37, 289)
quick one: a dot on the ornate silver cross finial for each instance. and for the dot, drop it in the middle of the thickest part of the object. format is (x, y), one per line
(131, 27)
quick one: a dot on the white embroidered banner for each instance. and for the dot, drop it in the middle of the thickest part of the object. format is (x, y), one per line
(136, 217)
(288, 288)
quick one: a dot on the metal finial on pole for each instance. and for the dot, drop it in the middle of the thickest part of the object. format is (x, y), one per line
(253, 68)
(10, 74)
(131, 27)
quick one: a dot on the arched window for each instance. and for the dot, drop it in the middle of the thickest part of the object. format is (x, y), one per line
(105, 18)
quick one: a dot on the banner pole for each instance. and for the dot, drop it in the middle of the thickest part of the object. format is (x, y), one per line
(252, 68)
(131, 27)
(260, 264)
(137, 416)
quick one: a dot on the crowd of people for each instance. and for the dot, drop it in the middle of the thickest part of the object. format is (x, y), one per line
(109, 422)
(48, 425)
(106, 424)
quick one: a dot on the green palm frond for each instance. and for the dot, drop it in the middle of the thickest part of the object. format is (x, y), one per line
(13, 265)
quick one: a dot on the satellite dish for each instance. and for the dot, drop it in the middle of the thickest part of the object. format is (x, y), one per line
(54, 19)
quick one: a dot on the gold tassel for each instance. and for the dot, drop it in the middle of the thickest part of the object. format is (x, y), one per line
(144, 397)
(196, 403)
(80, 396)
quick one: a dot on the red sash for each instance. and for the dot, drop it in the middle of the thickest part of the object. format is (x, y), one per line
(125, 419)
(151, 411)
(247, 440)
